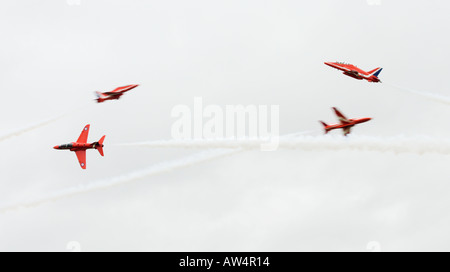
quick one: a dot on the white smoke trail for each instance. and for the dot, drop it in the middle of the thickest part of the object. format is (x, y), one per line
(36, 125)
(26, 129)
(431, 96)
(214, 143)
(204, 143)
(152, 170)
(296, 134)
(399, 144)
(106, 183)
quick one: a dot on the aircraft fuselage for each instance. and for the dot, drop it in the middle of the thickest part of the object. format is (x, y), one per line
(355, 72)
(77, 146)
(352, 123)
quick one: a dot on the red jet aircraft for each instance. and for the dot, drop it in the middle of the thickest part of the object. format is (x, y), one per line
(346, 124)
(353, 71)
(81, 145)
(114, 94)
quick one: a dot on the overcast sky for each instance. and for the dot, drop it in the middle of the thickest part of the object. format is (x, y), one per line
(55, 54)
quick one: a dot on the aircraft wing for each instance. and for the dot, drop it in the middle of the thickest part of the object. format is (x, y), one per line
(122, 89)
(81, 155)
(357, 70)
(84, 135)
(347, 131)
(113, 93)
(337, 66)
(341, 117)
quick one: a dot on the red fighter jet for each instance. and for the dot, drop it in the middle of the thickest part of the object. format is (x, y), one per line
(346, 124)
(114, 94)
(81, 145)
(355, 72)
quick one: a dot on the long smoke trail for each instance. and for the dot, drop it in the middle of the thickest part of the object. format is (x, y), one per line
(36, 125)
(431, 96)
(106, 183)
(214, 143)
(26, 129)
(152, 170)
(399, 144)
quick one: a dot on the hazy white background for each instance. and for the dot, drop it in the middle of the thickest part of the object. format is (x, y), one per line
(55, 55)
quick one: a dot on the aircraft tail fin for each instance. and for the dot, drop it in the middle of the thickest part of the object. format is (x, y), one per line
(375, 71)
(325, 125)
(100, 146)
(100, 97)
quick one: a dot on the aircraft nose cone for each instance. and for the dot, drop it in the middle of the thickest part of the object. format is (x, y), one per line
(56, 147)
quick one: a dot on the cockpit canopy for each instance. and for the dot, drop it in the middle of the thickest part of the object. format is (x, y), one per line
(66, 146)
